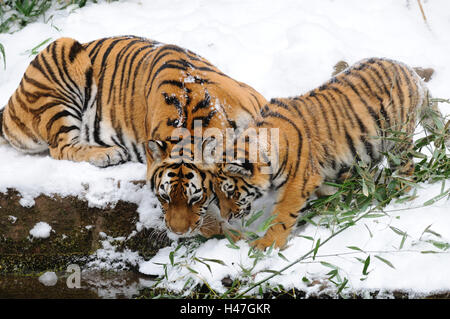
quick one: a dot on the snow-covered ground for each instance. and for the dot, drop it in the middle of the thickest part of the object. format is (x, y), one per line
(281, 48)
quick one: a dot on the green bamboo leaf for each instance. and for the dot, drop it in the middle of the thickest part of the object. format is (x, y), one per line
(36, 49)
(202, 262)
(192, 270)
(231, 243)
(234, 232)
(283, 257)
(439, 244)
(217, 261)
(366, 265)
(333, 273)
(254, 217)
(374, 215)
(355, 248)
(171, 257)
(397, 231)
(251, 235)
(267, 223)
(428, 230)
(2, 52)
(269, 251)
(329, 265)
(316, 248)
(365, 191)
(403, 240)
(186, 284)
(370, 233)
(417, 154)
(387, 262)
(271, 271)
(342, 286)
(306, 237)
(165, 272)
(436, 198)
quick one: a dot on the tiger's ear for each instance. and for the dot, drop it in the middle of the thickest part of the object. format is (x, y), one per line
(238, 168)
(157, 150)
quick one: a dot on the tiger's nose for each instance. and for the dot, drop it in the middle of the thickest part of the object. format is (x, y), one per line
(178, 226)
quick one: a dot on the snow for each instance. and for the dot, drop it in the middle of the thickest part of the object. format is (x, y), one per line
(108, 258)
(49, 278)
(41, 230)
(415, 269)
(280, 48)
(12, 219)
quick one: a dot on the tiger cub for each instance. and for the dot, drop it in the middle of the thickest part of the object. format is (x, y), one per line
(120, 99)
(322, 134)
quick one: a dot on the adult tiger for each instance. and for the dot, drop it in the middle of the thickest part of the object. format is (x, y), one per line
(322, 134)
(103, 101)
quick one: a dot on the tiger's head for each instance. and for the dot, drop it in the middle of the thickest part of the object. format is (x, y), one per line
(243, 178)
(237, 185)
(184, 190)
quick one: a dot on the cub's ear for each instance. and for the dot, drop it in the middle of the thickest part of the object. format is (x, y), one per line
(238, 168)
(157, 150)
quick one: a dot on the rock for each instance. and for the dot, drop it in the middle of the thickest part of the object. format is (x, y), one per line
(75, 232)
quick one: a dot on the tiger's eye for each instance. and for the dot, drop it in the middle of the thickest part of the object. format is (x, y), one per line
(190, 175)
(165, 197)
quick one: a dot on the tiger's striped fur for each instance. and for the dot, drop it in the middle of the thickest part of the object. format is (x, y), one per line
(323, 133)
(102, 102)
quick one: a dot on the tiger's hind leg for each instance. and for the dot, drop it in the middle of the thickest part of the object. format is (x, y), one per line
(54, 101)
(66, 143)
(96, 155)
(69, 148)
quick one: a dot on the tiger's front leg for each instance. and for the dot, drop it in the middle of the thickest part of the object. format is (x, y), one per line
(96, 155)
(291, 200)
(65, 143)
(214, 226)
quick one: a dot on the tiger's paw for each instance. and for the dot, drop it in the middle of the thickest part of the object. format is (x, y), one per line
(212, 227)
(266, 241)
(233, 234)
(108, 156)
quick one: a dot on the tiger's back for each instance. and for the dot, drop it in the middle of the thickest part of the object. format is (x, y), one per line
(57, 84)
(101, 101)
(355, 116)
(122, 99)
(352, 116)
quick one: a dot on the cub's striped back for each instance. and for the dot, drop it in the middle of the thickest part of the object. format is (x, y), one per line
(324, 132)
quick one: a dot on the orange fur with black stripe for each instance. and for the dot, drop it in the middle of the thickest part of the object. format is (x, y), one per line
(103, 101)
(322, 134)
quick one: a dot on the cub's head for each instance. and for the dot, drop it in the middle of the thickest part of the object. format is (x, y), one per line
(237, 185)
(244, 176)
(184, 190)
